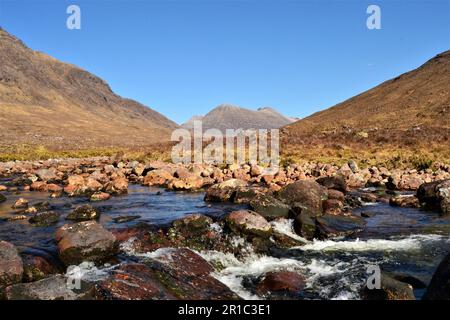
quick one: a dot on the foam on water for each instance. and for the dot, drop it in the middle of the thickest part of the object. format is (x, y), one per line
(87, 271)
(286, 227)
(254, 265)
(413, 242)
(127, 247)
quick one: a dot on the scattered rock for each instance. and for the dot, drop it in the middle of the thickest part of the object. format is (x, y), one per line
(336, 194)
(36, 268)
(45, 218)
(157, 177)
(193, 224)
(435, 195)
(46, 174)
(281, 281)
(100, 196)
(304, 195)
(124, 219)
(84, 213)
(85, 241)
(171, 274)
(2, 198)
(117, 186)
(53, 288)
(249, 223)
(332, 206)
(20, 204)
(270, 207)
(305, 226)
(336, 182)
(232, 183)
(245, 194)
(335, 226)
(404, 201)
(132, 281)
(218, 194)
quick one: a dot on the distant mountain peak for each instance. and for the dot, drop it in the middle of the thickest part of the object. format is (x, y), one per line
(230, 116)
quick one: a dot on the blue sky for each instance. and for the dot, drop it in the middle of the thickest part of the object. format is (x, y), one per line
(186, 57)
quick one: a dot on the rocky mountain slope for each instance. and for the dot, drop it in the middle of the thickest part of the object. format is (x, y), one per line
(228, 116)
(47, 102)
(410, 110)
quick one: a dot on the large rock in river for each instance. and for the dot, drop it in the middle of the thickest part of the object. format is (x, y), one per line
(336, 182)
(248, 223)
(435, 195)
(85, 241)
(11, 265)
(84, 213)
(53, 288)
(170, 274)
(439, 287)
(304, 195)
(270, 207)
(335, 226)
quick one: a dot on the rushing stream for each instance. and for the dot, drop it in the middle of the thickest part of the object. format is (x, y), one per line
(401, 241)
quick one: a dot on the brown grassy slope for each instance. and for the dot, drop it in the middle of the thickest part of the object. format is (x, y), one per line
(47, 102)
(407, 114)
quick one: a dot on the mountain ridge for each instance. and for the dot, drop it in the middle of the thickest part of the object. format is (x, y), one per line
(401, 111)
(228, 116)
(44, 101)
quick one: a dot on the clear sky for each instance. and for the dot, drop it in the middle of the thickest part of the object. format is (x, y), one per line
(185, 57)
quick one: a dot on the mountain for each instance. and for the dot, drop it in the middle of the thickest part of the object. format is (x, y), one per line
(46, 102)
(228, 116)
(410, 110)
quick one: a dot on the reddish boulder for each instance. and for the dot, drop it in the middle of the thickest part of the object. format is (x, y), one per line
(249, 223)
(284, 281)
(11, 265)
(85, 241)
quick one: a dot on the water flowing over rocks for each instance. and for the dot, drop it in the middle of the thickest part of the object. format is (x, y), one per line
(169, 274)
(246, 235)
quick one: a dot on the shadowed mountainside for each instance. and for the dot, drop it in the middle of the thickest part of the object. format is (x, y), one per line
(47, 102)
